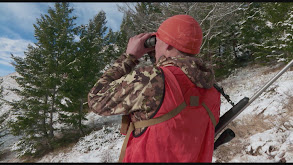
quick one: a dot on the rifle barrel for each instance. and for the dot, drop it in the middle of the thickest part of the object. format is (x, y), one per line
(257, 94)
(234, 111)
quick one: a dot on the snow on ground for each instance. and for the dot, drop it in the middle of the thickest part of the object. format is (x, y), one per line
(267, 125)
(99, 146)
(264, 131)
(8, 83)
(246, 82)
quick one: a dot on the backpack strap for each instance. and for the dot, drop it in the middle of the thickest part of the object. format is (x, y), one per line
(210, 113)
(123, 149)
(146, 123)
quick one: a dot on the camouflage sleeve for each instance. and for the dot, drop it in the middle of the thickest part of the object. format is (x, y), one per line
(122, 90)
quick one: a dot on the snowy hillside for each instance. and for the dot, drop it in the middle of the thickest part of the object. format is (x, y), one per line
(8, 83)
(264, 131)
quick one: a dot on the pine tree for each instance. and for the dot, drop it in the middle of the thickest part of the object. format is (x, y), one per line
(279, 38)
(122, 36)
(266, 31)
(57, 44)
(42, 75)
(226, 44)
(32, 109)
(95, 50)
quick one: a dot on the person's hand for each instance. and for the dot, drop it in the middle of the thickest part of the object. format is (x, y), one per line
(136, 45)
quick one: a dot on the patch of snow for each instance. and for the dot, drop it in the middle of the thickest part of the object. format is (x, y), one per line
(99, 146)
(269, 24)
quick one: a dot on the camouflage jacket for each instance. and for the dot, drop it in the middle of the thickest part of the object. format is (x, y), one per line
(139, 92)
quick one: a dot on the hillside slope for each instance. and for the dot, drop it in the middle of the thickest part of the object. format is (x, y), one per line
(264, 131)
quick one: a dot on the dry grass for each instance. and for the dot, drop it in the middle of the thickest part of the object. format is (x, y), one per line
(228, 84)
(288, 115)
(248, 126)
(289, 105)
(4, 154)
(63, 149)
(274, 68)
(252, 124)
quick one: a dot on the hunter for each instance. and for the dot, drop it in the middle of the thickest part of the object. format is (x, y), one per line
(169, 109)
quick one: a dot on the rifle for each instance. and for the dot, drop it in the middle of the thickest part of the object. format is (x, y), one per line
(225, 119)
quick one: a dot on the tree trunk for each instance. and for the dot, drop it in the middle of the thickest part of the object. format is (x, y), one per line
(44, 118)
(51, 134)
(234, 49)
(80, 117)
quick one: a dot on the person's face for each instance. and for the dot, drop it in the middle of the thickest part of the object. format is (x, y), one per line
(160, 48)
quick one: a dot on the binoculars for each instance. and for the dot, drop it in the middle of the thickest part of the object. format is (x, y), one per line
(150, 42)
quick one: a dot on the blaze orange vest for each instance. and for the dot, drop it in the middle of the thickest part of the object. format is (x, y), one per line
(187, 136)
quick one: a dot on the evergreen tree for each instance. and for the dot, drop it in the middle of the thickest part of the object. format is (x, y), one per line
(253, 29)
(266, 31)
(225, 45)
(42, 75)
(278, 40)
(122, 36)
(95, 50)
(33, 107)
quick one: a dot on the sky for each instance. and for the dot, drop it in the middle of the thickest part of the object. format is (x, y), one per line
(17, 19)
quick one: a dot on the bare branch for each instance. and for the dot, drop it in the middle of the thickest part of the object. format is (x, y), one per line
(190, 8)
(207, 16)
